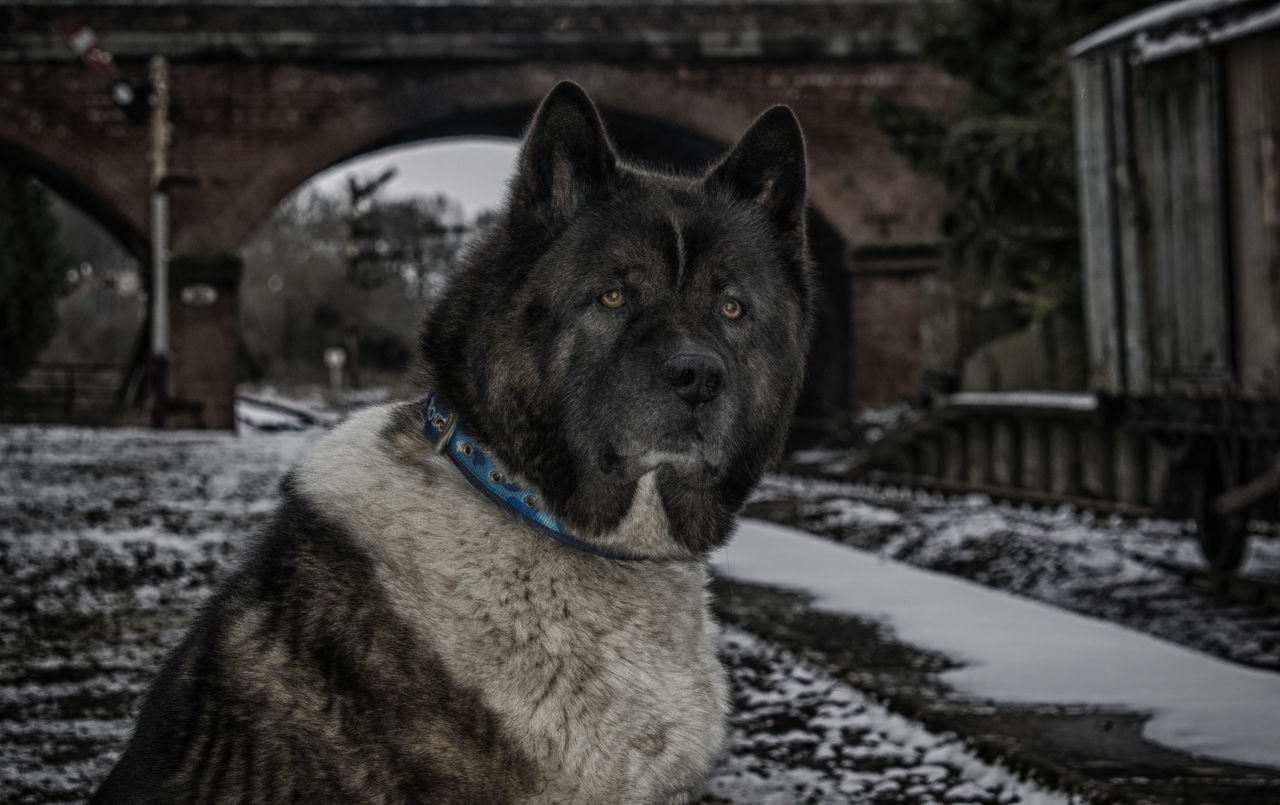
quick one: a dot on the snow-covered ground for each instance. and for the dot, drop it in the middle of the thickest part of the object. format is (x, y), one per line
(110, 538)
(798, 736)
(1017, 650)
(1093, 564)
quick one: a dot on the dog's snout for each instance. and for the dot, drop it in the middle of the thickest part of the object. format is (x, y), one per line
(697, 377)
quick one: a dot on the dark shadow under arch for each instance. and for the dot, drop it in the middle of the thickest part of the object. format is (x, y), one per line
(131, 381)
(65, 185)
(827, 394)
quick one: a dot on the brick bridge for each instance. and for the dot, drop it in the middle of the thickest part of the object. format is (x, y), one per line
(266, 94)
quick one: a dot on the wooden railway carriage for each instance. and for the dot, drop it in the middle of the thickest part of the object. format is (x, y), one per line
(1178, 141)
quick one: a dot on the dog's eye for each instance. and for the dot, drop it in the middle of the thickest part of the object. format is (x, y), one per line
(732, 309)
(613, 299)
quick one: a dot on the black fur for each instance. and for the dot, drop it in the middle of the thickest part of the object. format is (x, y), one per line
(556, 383)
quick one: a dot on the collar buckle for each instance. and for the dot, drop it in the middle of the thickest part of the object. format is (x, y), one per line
(445, 426)
(439, 425)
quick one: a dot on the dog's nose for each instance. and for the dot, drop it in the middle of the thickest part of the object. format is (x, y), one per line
(696, 376)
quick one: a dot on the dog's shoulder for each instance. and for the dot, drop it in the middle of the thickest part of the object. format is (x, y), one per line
(306, 675)
(373, 472)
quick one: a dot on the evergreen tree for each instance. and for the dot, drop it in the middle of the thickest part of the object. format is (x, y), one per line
(32, 273)
(1004, 154)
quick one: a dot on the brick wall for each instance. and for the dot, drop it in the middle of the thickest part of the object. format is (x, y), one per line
(204, 333)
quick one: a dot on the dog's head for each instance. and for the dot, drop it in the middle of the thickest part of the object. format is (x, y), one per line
(621, 324)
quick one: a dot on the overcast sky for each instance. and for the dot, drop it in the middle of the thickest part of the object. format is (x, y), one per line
(473, 170)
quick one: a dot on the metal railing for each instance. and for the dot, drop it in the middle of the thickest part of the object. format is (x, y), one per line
(81, 393)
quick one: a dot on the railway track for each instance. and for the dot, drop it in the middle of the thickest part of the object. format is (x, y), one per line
(1222, 585)
(1239, 589)
(1097, 453)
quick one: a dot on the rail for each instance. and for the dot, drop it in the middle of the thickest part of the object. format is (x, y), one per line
(1222, 584)
(1214, 461)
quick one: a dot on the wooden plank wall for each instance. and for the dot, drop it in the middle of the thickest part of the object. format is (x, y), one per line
(1097, 234)
(1253, 72)
(1183, 168)
(1179, 166)
(1129, 255)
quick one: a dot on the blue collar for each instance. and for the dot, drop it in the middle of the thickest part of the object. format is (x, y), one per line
(441, 428)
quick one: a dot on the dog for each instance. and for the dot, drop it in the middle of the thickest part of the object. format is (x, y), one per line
(496, 593)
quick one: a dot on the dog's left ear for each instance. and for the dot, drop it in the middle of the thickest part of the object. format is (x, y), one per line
(767, 167)
(566, 156)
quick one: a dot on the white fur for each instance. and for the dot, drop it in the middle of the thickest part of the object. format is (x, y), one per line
(604, 672)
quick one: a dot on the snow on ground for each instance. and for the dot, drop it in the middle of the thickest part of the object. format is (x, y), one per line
(109, 540)
(1092, 564)
(798, 736)
(1017, 650)
(257, 416)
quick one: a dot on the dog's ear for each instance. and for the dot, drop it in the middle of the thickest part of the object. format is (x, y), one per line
(566, 156)
(767, 167)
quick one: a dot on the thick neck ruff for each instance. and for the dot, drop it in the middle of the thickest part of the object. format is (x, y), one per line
(441, 427)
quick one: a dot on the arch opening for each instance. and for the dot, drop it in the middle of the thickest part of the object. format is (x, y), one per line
(86, 368)
(827, 393)
(329, 271)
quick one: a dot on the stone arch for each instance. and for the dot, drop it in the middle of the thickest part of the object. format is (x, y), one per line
(263, 99)
(247, 133)
(394, 108)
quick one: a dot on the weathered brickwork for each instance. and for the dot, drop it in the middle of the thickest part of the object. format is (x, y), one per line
(885, 334)
(203, 316)
(255, 115)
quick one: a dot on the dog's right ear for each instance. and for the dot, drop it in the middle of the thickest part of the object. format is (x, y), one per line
(566, 156)
(767, 167)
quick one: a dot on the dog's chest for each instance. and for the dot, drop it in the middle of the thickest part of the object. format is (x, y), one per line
(603, 673)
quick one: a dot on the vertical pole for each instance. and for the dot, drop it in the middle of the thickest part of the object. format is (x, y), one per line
(352, 306)
(159, 238)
